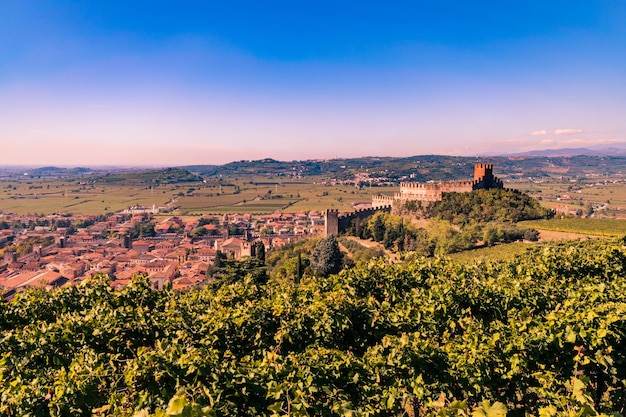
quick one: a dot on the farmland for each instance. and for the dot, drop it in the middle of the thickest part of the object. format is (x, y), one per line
(591, 185)
(594, 227)
(504, 252)
(607, 198)
(249, 195)
(258, 194)
(46, 197)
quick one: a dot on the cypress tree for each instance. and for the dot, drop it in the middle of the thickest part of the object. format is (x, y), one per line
(259, 250)
(327, 259)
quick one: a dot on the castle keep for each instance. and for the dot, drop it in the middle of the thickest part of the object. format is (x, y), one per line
(429, 192)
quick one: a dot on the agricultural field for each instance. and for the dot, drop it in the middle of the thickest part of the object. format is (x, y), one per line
(267, 195)
(217, 196)
(47, 197)
(503, 252)
(594, 227)
(257, 194)
(608, 199)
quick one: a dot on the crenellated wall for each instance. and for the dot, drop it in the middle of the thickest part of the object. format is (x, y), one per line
(414, 191)
(379, 201)
(336, 223)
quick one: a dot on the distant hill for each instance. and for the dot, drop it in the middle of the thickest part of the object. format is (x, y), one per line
(595, 151)
(422, 168)
(572, 163)
(153, 177)
(47, 172)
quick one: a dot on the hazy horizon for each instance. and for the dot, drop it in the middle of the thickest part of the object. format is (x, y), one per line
(147, 84)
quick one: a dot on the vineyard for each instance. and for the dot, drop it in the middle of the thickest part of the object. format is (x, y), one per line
(543, 334)
(598, 227)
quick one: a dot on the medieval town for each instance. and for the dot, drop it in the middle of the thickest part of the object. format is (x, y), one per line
(64, 248)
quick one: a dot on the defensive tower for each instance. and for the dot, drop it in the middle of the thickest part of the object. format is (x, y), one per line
(331, 222)
(483, 171)
(430, 192)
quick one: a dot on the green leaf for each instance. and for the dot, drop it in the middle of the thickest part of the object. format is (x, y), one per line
(176, 405)
(487, 410)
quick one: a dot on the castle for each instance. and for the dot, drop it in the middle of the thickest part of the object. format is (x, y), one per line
(429, 192)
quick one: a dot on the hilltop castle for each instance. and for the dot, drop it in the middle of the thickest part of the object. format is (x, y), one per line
(429, 192)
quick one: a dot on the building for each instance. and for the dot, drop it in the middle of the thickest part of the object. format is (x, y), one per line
(430, 192)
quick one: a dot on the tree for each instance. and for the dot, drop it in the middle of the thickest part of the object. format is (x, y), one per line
(299, 268)
(199, 231)
(220, 257)
(378, 226)
(259, 250)
(327, 259)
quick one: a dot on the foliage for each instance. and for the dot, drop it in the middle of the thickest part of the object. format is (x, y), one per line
(495, 205)
(259, 251)
(294, 268)
(208, 220)
(282, 262)
(26, 246)
(227, 271)
(391, 231)
(143, 229)
(461, 221)
(326, 258)
(493, 233)
(163, 176)
(542, 335)
(199, 232)
(360, 253)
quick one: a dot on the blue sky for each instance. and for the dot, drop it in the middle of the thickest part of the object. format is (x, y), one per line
(189, 82)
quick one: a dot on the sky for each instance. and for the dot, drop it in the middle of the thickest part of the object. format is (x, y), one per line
(206, 82)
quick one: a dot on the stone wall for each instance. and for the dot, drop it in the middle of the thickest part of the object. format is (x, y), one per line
(430, 192)
(336, 223)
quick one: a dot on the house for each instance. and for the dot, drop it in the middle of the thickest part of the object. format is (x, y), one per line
(234, 248)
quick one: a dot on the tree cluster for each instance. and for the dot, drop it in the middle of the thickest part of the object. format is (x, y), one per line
(483, 206)
(226, 271)
(461, 221)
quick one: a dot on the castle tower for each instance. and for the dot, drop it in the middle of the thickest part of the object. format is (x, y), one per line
(126, 241)
(331, 222)
(9, 256)
(484, 179)
(483, 171)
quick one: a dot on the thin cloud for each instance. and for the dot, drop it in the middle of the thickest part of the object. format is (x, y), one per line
(557, 132)
(547, 141)
(560, 132)
(593, 142)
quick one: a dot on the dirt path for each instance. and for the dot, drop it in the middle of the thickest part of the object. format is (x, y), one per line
(366, 243)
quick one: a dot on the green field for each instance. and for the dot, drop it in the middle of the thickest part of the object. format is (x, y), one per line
(599, 227)
(504, 252)
(611, 197)
(23, 197)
